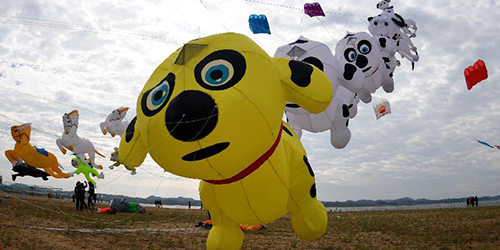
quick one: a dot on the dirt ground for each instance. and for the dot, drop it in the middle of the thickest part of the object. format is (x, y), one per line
(22, 220)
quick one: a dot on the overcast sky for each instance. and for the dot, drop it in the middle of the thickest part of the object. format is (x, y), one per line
(95, 56)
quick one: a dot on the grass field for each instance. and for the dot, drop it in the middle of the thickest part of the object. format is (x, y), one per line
(477, 228)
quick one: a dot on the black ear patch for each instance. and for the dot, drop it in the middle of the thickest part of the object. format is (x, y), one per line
(129, 132)
(314, 61)
(301, 73)
(349, 71)
(383, 42)
(370, 18)
(345, 111)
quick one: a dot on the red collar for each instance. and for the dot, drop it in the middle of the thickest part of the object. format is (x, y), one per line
(254, 166)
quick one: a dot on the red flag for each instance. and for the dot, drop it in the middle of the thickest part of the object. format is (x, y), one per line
(497, 147)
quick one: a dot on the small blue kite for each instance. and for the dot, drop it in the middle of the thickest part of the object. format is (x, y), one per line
(259, 24)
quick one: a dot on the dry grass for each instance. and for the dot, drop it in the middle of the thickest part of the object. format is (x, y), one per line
(477, 228)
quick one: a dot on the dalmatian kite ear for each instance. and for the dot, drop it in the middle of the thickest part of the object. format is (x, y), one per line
(304, 84)
(399, 21)
(370, 19)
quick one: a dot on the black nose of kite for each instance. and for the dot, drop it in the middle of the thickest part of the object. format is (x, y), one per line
(191, 116)
(361, 61)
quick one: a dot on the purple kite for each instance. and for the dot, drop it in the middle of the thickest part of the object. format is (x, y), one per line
(313, 9)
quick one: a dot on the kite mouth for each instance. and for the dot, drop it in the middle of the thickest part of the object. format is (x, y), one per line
(207, 152)
(364, 71)
(292, 105)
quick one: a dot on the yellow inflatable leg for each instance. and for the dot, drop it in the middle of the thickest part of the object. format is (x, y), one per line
(310, 221)
(51, 173)
(54, 166)
(308, 215)
(11, 155)
(225, 233)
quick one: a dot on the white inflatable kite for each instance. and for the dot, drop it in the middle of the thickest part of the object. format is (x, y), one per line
(70, 140)
(343, 106)
(114, 123)
(360, 53)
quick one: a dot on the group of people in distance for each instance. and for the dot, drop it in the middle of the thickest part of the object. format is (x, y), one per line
(472, 201)
(79, 196)
(158, 203)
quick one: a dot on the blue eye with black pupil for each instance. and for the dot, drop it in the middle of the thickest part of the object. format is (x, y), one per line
(217, 74)
(352, 55)
(160, 95)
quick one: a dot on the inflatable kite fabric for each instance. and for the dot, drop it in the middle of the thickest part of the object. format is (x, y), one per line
(114, 123)
(361, 65)
(26, 170)
(497, 147)
(106, 210)
(208, 225)
(32, 156)
(394, 27)
(382, 108)
(475, 74)
(124, 206)
(70, 140)
(85, 169)
(485, 144)
(313, 9)
(259, 24)
(336, 117)
(213, 111)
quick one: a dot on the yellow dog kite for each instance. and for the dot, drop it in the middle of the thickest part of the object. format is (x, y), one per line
(213, 111)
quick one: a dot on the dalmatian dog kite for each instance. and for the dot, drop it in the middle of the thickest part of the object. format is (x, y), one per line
(344, 104)
(393, 26)
(360, 52)
(384, 4)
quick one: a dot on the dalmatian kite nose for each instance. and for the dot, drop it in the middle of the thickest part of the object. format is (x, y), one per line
(361, 61)
(191, 116)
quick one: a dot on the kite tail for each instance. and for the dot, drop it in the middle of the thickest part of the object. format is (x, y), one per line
(97, 152)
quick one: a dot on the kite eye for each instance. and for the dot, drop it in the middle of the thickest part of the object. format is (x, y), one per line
(386, 23)
(350, 55)
(217, 73)
(376, 23)
(155, 99)
(364, 47)
(220, 70)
